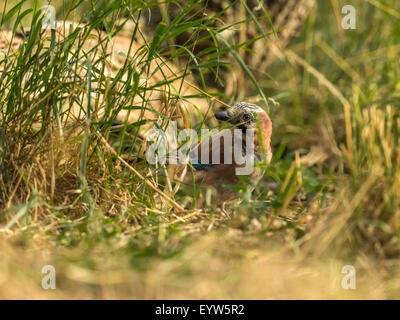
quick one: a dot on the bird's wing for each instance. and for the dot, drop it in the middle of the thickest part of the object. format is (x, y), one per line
(213, 159)
(214, 150)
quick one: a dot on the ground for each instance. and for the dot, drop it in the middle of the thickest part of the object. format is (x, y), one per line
(76, 194)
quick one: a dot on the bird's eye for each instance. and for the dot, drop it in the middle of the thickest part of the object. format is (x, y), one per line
(246, 117)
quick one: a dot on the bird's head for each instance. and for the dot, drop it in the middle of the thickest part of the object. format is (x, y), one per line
(244, 115)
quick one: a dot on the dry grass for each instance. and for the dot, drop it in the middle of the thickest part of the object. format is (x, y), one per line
(76, 193)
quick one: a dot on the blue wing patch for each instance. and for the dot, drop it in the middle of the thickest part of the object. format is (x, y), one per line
(202, 166)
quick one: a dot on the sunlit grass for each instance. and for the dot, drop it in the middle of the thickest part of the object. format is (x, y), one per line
(76, 191)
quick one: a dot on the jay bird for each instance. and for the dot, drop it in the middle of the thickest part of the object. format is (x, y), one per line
(246, 118)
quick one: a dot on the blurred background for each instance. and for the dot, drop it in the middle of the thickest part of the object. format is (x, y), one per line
(74, 189)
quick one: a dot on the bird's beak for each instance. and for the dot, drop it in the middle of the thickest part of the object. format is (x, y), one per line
(223, 116)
